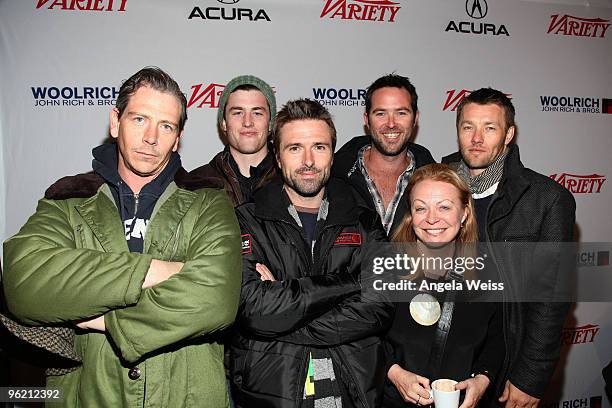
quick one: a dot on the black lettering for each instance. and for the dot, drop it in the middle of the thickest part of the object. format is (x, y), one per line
(196, 12)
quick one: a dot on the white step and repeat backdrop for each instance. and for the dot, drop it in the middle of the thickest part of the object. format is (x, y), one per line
(62, 62)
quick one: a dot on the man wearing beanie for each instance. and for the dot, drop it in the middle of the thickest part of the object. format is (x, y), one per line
(245, 117)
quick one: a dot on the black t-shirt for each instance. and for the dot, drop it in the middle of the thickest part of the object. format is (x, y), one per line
(309, 223)
(248, 185)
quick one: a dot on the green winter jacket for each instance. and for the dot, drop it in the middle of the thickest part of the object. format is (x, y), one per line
(70, 262)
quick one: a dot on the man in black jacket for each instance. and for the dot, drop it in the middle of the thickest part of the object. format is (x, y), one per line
(245, 117)
(379, 166)
(306, 335)
(514, 203)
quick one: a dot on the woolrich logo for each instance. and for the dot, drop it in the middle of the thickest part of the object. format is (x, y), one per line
(591, 184)
(454, 98)
(593, 258)
(339, 96)
(363, 10)
(477, 10)
(82, 5)
(568, 104)
(224, 12)
(578, 26)
(74, 95)
(579, 335)
(592, 402)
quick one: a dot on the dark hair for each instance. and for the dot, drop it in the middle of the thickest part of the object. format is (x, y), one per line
(392, 81)
(157, 79)
(302, 109)
(245, 87)
(486, 96)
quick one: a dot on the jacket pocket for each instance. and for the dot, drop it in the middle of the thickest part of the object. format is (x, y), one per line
(521, 238)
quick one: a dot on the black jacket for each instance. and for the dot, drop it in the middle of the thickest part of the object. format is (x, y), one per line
(315, 302)
(528, 207)
(221, 169)
(344, 164)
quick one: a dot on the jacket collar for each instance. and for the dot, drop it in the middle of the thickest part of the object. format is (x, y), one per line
(100, 214)
(343, 209)
(87, 184)
(513, 183)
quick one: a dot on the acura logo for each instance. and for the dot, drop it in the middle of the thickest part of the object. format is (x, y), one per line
(476, 8)
(228, 1)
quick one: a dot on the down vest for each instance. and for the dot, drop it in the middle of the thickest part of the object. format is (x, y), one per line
(315, 301)
(70, 262)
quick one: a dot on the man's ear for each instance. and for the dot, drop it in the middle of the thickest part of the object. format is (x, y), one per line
(223, 126)
(114, 123)
(509, 135)
(366, 120)
(177, 141)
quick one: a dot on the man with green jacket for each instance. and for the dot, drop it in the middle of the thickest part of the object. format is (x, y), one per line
(139, 257)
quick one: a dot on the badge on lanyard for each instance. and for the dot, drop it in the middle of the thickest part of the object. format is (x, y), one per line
(425, 309)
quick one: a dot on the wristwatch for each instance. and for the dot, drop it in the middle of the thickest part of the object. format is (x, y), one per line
(481, 372)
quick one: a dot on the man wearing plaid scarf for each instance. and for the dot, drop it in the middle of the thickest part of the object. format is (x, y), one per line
(514, 203)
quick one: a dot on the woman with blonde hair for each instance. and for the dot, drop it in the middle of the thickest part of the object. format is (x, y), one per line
(433, 336)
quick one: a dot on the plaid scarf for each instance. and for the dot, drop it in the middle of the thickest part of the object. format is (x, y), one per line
(321, 389)
(482, 182)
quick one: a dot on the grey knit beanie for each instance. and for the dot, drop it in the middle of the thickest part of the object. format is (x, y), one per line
(247, 80)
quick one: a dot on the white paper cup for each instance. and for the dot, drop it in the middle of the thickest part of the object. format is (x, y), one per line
(445, 399)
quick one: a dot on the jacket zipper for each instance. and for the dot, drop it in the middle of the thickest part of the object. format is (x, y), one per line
(352, 378)
(501, 274)
(136, 197)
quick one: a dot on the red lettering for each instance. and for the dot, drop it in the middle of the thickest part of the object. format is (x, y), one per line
(208, 95)
(330, 6)
(453, 100)
(371, 11)
(394, 11)
(553, 23)
(41, 3)
(353, 9)
(573, 28)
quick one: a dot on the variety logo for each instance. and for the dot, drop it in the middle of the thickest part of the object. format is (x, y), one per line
(592, 402)
(74, 95)
(593, 258)
(339, 96)
(476, 9)
(454, 98)
(578, 26)
(83, 5)
(568, 104)
(229, 13)
(365, 10)
(205, 95)
(579, 335)
(590, 184)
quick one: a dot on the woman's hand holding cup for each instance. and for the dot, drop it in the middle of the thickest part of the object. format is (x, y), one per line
(412, 387)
